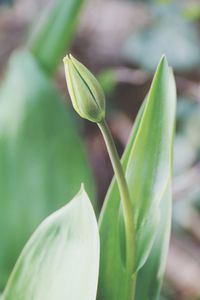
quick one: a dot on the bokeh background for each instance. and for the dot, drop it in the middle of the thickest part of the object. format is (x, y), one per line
(121, 41)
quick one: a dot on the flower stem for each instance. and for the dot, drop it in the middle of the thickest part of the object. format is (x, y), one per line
(124, 194)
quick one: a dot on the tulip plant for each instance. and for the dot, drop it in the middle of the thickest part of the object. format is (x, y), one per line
(71, 256)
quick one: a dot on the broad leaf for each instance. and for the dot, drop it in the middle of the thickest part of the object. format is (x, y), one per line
(147, 164)
(149, 168)
(61, 259)
(42, 159)
(150, 276)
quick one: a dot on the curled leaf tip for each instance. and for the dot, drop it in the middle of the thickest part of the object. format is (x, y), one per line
(82, 189)
(163, 60)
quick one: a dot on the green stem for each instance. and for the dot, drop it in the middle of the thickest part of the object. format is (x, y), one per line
(51, 39)
(125, 197)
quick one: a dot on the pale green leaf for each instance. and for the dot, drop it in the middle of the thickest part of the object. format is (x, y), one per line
(147, 164)
(149, 167)
(150, 276)
(54, 32)
(42, 158)
(61, 259)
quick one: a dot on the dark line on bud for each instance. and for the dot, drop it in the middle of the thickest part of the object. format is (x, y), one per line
(86, 85)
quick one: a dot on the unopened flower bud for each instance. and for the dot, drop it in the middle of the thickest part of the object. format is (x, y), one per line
(85, 91)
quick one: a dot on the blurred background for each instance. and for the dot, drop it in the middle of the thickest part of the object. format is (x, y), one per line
(121, 41)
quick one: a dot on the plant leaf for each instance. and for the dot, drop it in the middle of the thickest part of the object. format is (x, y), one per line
(149, 167)
(147, 164)
(42, 158)
(53, 36)
(61, 259)
(150, 276)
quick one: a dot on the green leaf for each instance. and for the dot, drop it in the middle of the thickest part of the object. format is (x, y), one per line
(149, 167)
(149, 278)
(52, 38)
(42, 158)
(147, 164)
(61, 259)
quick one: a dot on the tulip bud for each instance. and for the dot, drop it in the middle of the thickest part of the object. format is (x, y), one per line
(85, 91)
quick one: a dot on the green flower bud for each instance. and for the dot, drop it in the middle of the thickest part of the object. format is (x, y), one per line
(85, 91)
